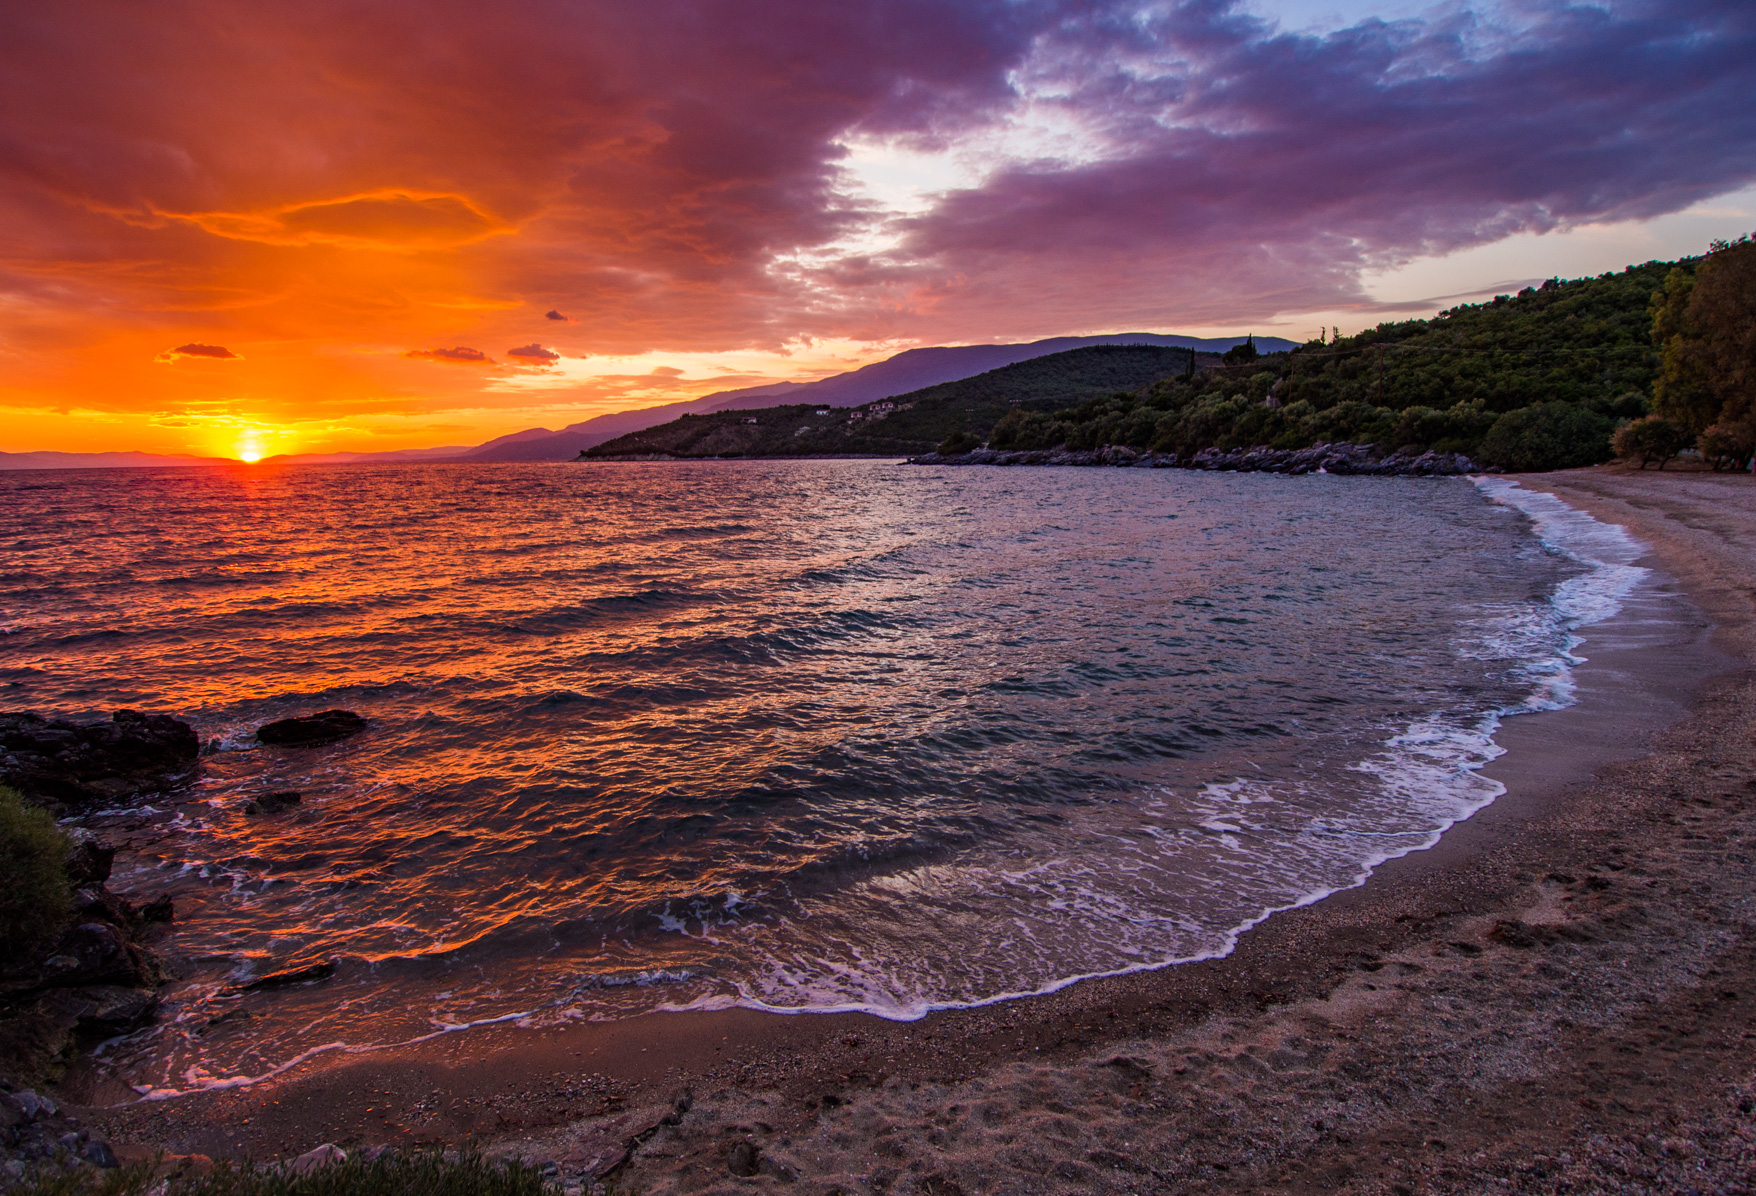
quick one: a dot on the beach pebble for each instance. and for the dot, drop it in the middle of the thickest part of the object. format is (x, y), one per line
(34, 1106)
(744, 1159)
(327, 1155)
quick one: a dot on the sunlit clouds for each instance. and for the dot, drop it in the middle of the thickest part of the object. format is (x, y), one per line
(415, 224)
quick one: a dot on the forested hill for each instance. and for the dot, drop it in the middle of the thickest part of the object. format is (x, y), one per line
(1534, 380)
(913, 422)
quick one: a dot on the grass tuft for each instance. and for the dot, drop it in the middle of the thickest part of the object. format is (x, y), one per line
(34, 900)
(425, 1173)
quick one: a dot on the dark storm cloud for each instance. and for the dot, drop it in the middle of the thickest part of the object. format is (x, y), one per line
(671, 174)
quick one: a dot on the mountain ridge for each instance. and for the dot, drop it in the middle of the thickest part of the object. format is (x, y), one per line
(901, 373)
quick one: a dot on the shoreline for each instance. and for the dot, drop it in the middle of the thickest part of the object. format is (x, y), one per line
(538, 1091)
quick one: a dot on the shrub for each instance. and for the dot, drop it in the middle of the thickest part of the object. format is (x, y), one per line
(1729, 443)
(1547, 436)
(34, 899)
(1021, 430)
(426, 1172)
(1654, 438)
(959, 442)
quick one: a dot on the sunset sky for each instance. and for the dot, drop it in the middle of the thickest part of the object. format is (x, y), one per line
(277, 227)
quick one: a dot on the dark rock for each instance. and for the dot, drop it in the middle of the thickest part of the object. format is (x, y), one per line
(99, 1154)
(302, 972)
(159, 909)
(89, 861)
(326, 726)
(34, 1106)
(744, 1160)
(105, 1008)
(95, 903)
(97, 953)
(273, 803)
(11, 1112)
(66, 765)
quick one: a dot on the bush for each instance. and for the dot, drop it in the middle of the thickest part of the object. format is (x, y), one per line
(1654, 438)
(1023, 430)
(1729, 443)
(34, 899)
(959, 442)
(1547, 436)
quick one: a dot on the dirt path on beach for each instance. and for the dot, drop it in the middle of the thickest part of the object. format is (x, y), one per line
(1561, 997)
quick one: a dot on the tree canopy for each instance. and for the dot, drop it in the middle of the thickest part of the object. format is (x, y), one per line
(1704, 325)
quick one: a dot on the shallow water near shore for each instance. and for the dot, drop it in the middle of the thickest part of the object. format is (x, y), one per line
(828, 735)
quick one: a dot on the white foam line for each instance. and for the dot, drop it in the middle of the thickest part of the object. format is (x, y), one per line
(1606, 549)
(149, 1093)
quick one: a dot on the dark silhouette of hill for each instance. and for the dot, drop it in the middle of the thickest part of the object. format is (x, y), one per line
(908, 371)
(912, 422)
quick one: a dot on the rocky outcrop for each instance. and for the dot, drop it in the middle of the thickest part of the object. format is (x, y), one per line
(97, 979)
(1319, 458)
(35, 1133)
(68, 767)
(326, 726)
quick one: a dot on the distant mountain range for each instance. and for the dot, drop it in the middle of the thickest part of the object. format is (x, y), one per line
(907, 371)
(916, 421)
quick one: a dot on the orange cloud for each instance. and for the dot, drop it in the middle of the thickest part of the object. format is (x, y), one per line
(328, 183)
(384, 220)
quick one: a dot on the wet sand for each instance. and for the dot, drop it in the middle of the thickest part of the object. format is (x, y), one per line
(1556, 997)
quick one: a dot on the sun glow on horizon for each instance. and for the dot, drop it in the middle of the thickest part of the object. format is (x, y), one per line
(249, 448)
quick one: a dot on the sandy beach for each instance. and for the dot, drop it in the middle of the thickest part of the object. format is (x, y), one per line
(1557, 998)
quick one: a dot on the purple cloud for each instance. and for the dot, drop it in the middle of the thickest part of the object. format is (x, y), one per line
(460, 355)
(1246, 171)
(675, 175)
(219, 352)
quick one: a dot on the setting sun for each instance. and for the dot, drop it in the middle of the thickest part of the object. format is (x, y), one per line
(250, 451)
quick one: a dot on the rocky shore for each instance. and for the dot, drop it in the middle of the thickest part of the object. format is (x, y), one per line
(69, 768)
(1367, 459)
(97, 976)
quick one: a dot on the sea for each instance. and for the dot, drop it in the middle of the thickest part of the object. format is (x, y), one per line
(792, 736)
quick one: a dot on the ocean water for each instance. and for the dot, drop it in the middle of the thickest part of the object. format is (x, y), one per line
(788, 735)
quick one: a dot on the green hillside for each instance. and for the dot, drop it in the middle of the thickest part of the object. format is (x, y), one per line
(1537, 379)
(913, 422)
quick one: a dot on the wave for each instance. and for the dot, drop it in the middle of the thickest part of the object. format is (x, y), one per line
(1427, 774)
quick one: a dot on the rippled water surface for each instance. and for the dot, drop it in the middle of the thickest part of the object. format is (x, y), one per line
(801, 735)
